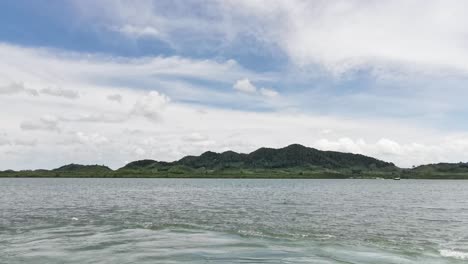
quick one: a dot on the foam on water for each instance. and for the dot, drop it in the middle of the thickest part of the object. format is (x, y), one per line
(454, 254)
(233, 221)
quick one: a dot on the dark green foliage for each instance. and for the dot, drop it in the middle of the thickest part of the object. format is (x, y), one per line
(439, 171)
(145, 164)
(443, 167)
(212, 160)
(294, 161)
(300, 156)
(288, 157)
(83, 168)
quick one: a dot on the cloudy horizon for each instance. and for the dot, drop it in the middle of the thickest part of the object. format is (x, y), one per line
(109, 82)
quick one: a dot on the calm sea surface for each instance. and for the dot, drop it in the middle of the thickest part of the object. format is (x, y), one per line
(233, 221)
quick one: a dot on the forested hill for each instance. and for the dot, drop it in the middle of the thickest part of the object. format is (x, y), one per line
(293, 156)
(293, 161)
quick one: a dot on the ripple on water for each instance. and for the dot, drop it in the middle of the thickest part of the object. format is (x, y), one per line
(232, 221)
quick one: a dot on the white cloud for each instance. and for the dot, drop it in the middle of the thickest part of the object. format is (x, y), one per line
(268, 92)
(118, 129)
(338, 36)
(139, 151)
(60, 92)
(55, 68)
(219, 130)
(346, 35)
(195, 137)
(387, 146)
(151, 105)
(343, 144)
(199, 140)
(444, 149)
(93, 138)
(139, 31)
(245, 86)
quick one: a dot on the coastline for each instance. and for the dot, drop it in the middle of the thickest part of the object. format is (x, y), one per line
(236, 176)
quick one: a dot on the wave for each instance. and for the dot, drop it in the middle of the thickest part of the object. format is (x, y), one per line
(453, 254)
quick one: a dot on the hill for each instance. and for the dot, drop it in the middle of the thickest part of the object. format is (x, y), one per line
(287, 157)
(82, 168)
(293, 161)
(439, 171)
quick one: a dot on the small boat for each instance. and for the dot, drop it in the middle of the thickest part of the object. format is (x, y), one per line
(396, 178)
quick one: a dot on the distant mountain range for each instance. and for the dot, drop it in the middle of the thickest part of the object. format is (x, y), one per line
(293, 161)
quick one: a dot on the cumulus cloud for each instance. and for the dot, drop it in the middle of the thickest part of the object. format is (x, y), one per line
(388, 147)
(139, 151)
(151, 105)
(60, 92)
(97, 119)
(381, 148)
(342, 36)
(403, 154)
(15, 88)
(338, 36)
(221, 130)
(246, 86)
(46, 122)
(268, 92)
(344, 144)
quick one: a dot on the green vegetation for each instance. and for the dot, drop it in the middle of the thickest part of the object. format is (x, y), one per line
(438, 171)
(294, 161)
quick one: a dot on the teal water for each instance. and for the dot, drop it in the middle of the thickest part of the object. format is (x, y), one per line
(232, 221)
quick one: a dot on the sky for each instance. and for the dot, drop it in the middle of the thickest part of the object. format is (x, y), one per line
(113, 81)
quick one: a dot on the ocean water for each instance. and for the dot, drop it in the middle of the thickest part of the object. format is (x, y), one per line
(233, 221)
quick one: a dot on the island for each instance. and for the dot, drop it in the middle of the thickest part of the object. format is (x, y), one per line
(293, 161)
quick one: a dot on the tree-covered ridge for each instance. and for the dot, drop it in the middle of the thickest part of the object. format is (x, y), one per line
(288, 157)
(461, 167)
(82, 168)
(293, 156)
(293, 161)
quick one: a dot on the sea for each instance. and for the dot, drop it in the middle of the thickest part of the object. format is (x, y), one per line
(125, 220)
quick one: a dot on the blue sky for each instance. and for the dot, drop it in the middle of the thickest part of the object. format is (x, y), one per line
(150, 79)
(60, 25)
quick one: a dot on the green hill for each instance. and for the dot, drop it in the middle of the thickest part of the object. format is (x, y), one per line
(439, 171)
(293, 161)
(287, 157)
(82, 168)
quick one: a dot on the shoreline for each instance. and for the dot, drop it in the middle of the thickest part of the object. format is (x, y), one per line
(227, 177)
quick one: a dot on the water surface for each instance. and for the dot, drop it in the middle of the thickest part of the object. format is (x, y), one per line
(232, 221)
